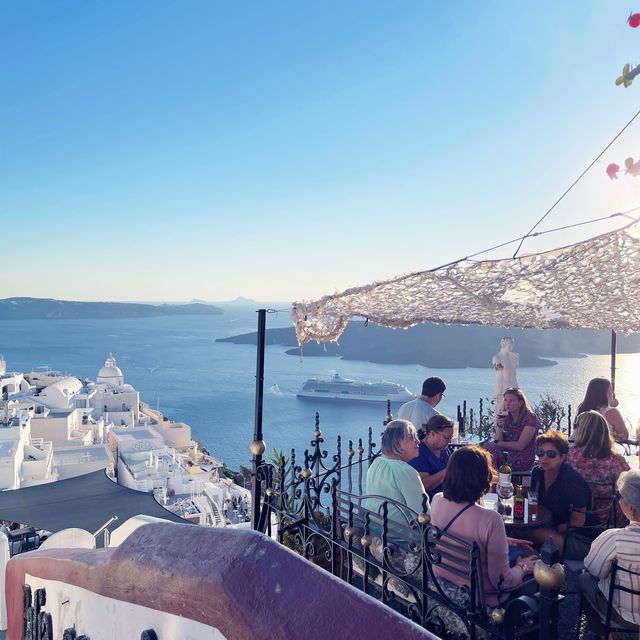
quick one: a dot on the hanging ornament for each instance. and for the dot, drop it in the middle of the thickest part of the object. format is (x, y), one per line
(612, 170)
(634, 20)
(632, 168)
(628, 74)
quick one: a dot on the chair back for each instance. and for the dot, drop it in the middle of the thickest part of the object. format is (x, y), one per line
(604, 502)
(390, 522)
(440, 564)
(453, 560)
(626, 582)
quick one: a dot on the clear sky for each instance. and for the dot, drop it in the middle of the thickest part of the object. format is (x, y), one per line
(285, 150)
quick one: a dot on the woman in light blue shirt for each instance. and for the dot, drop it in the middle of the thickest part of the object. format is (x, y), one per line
(390, 476)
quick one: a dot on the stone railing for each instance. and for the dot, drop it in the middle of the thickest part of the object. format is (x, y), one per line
(168, 581)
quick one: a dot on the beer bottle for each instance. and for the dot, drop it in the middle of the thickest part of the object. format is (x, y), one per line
(518, 505)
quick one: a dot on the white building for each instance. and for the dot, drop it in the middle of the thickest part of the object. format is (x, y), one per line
(10, 383)
(71, 427)
(60, 437)
(24, 461)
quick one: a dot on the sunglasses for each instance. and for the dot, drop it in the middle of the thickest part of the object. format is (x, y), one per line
(541, 453)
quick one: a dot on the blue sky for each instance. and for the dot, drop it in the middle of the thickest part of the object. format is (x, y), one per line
(286, 150)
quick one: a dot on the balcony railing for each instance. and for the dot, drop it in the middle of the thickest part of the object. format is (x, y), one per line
(316, 505)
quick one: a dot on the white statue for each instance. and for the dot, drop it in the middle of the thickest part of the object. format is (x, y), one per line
(505, 362)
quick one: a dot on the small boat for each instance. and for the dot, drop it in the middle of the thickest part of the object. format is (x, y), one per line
(339, 388)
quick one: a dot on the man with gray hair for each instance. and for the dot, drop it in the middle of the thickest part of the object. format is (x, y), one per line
(621, 545)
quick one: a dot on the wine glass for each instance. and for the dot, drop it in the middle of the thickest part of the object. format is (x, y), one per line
(505, 491)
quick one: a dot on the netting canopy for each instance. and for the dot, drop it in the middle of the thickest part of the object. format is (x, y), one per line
(593, 284)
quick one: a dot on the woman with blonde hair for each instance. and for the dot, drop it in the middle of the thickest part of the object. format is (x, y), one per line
(593, 456)
(516, 433)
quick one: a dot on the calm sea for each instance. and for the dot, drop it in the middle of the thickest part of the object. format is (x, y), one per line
(175, 363)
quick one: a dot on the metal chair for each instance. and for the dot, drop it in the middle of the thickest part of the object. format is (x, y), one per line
(604, 501)
(606, 617)
(603, 511)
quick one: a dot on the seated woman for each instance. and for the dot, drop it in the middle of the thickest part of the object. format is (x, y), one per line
(516, 433)
(620, 545)
(600, 397)
(391, 476)
(434, 453)
(469, 476)
(593, 456)
(565, 493)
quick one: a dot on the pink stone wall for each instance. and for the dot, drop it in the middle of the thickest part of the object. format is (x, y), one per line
(238, 581)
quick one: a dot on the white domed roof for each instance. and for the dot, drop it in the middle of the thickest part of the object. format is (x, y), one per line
(110, 369)
(110, 372)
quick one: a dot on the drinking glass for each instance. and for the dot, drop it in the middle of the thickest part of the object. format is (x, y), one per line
(532, 499)
(489, 502)
(505, 491)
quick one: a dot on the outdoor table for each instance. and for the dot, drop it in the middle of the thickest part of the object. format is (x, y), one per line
(543, 518)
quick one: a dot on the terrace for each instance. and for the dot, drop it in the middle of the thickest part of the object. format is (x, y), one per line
(315, 504)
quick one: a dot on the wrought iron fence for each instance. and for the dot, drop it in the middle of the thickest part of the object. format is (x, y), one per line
(316, 505)
(477, 421)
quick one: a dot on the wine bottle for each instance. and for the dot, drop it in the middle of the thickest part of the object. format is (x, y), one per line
(518, 505)
(504, 471)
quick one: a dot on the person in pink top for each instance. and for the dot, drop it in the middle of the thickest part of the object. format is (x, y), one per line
(594, 457)
(469, 476)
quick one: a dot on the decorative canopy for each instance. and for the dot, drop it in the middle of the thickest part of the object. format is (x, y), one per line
(593, 284)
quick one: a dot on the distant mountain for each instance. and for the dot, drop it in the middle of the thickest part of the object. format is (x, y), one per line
(241, 300)
(448, 346)
(248, 303)
(48, 308)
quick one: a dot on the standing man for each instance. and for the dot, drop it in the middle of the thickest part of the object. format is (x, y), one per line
(419, 411)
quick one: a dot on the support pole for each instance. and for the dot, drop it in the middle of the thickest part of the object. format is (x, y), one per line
(613, 360)
(258, 446)
(549, 574)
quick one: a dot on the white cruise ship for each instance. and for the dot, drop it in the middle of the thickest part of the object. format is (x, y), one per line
(339, 388)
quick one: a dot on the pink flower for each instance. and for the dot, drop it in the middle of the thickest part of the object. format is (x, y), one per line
(612, 171)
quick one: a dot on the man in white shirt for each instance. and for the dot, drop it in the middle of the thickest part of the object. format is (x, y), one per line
(419, 411)
(621, 545)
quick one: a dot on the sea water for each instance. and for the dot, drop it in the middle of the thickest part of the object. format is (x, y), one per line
(176, 364)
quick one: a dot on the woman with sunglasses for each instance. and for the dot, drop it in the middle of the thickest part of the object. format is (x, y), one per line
(600, 397)
(565, 493)
(516, 432)
(433, 453)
